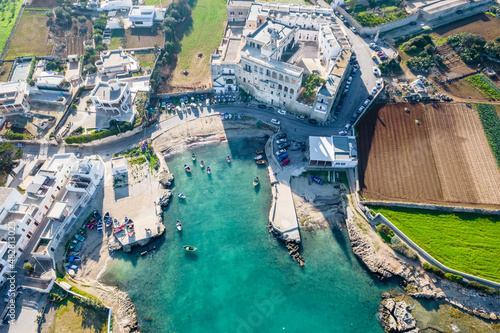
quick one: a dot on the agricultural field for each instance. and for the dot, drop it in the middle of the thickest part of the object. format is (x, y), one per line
(202, 35)
(445, 159)
(158, 3)
(481, 24)
(463, 89)
(484, 85)
(136, 38)
(30, 36)
(465, 242)
(5, 70)
(9, 12)
(42, 3)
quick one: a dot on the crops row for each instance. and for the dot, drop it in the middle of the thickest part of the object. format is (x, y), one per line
(491, 124)
(487, 88)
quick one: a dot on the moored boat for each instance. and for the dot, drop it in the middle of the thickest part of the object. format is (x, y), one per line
(260, 162)
(258, 157)
(258, 152)
(202, 165)
(209, 171)
(193, 156)
(256, 181)
(187, 168)
(179, 225)
(189, 248)
(115, 222)
(130, 227)
(228, 159)
(118, 229)
(182, 196)
(73, 258)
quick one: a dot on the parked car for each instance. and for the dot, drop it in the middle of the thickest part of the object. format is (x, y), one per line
(262, 106)
(343, 132)
(354, 69)
(413, 23)
(347, 127)
(281, 135)
(372, 45)
(19, 145)
(207, 102)
(375, 70)
(354, 117)
(282, 157)
(349, 80)
(275, 122)
(312, 121)
(379, 84)
(282, 112)
(374, 56)
(78, 155)
(342, 17)
(280, 141)
(354, 30)
(281, 151)
(285, 162)
(381, 54)
(374, 91)
(361, 108)
(370, 97)
(283, 145)
(365, 103)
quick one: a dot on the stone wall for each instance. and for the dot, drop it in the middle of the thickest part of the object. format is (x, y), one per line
(442, 208)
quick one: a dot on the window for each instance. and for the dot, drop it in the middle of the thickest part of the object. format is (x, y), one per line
(255, 68)
(52, 249)
(232, 13)
(293, 81)
(281, 77)
(275, 76)
(268, 73)
(291, 92)
(261, 70)
(286, 89)
(287, 80)
(240, 13)
(280, 87)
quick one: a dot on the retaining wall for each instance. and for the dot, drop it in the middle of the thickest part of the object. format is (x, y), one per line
(442, 208)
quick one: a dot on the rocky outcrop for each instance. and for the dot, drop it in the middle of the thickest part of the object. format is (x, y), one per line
(166, 179)
(363, 249)
(396, 317)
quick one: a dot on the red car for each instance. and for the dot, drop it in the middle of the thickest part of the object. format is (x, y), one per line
(285, 162)
(380, 54)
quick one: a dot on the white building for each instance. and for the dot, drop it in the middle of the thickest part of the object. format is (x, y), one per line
(279, 45)
(17, 226)
(145, 16)
(119, 165)
(117, 63)
(68, 185)
(335, 152)
(14, 97)
(112, 96)
(107, 5)
(52, 80)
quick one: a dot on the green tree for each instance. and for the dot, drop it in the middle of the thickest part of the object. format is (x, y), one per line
(6, 154)
(82, 19)
(49, 14)
(28, 267)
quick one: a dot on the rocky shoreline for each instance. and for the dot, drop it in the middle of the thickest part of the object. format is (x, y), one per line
(395, 315)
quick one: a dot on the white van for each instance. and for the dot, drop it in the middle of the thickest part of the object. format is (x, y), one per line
(207, 102)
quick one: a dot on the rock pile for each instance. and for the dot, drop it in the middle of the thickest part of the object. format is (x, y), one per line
(396, 316)
(293, 251)
(166, 179)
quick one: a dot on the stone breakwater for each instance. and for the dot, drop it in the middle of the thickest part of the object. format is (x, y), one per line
(396, 316)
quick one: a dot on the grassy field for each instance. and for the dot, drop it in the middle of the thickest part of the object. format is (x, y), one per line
(71, 316)
(4, 71)
(465, 242)
(146, 59)
(156, 3)
(491, 125)
(135, 38)
(30, 36)
(8, 16)
(201, 35)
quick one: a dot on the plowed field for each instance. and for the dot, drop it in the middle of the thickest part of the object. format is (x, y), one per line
(445, 159)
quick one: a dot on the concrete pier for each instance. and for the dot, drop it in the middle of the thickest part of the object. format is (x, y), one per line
(282, 215)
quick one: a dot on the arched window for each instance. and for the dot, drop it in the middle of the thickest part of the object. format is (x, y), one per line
(286, 89)
(275, 76)
(291, 91)
(280, 87)
(287, 80)
(281, 77)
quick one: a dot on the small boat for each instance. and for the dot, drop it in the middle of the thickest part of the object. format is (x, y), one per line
(193, 156)
(260, 162)
(109, 221)
(73, 258)
(73, 254)
(258, 152)
(209, 171)
(73, 267)
(179, 225)
(106, 216)
(115, 222)
(187, 168)
(118, 229)
(228, 159)
(99, 226)
(256, 182)
(189, 248)
(258, 157)
(130, 228)
(202, 165)
(182, 196)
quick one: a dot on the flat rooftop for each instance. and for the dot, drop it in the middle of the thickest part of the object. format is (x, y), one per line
(233, 50)
(104, 92)
(271, 28)
(438, 6)
(142, 10)
(5, 192)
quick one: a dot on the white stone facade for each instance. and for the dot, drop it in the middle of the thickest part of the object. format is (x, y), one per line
(112, 96)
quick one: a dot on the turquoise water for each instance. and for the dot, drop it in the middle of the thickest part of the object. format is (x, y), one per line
(241, 279)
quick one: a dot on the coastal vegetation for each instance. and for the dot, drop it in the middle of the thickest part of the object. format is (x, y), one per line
(462, 241)
(114, 130)
(485, 86)
(491, 125)
(395, 242)
(9, 11)
(373, 13)
(75, 314)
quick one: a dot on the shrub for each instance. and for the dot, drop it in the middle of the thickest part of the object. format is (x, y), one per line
(405, 250)
(432, 269)
(391, 67)
(385, 232)
(478, 286)
(453, 277)
(9, 135)
(464, 282)
(28, 267)
(85, 138)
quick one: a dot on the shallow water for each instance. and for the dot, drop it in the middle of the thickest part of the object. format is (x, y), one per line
(241, 279)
